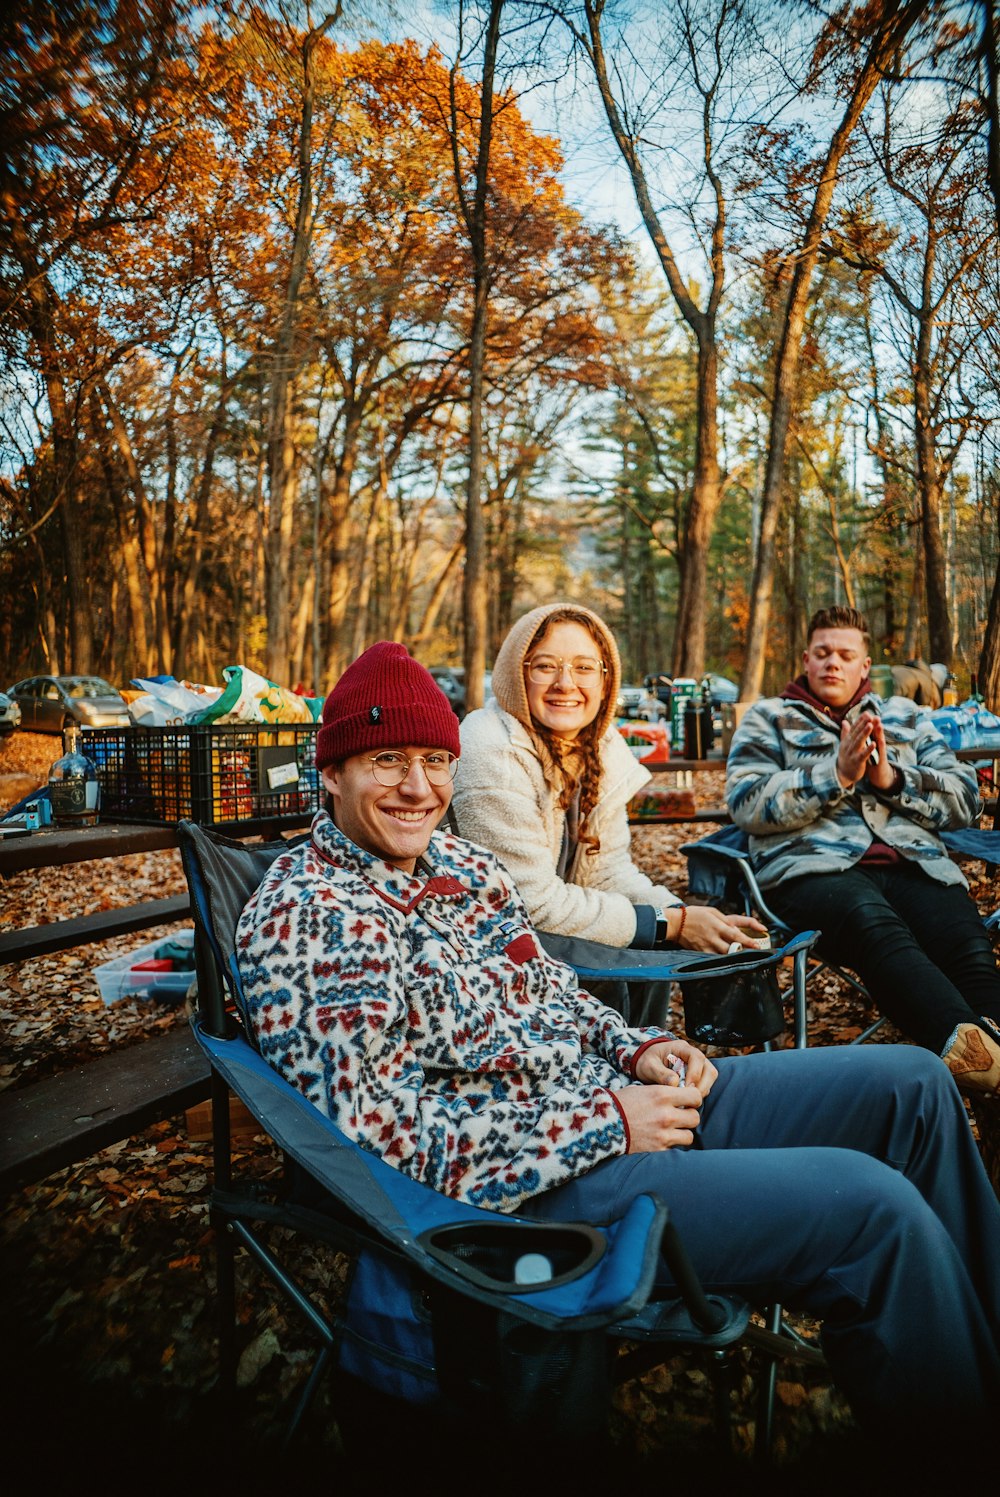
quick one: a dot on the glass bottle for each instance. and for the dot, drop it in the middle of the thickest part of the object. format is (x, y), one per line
(74, 789)
(950, 693)
(976, 698)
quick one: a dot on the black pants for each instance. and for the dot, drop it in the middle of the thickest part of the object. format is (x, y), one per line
(918, 946)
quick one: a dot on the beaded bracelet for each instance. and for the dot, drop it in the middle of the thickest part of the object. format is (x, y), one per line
(680, 929)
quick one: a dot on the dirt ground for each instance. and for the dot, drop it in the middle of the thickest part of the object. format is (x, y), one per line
(108, 1269)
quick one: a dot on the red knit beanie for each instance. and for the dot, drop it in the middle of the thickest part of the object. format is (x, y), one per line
(386, 699)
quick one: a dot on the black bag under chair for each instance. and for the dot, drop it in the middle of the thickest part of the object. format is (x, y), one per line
(729, 1000)
(456, 1313)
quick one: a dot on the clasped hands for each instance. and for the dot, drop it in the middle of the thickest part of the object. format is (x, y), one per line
(664, 1111)
(862, 754)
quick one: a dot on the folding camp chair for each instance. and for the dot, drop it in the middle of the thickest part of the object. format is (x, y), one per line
(449, 1308)
(731, 1001)
(720, 872)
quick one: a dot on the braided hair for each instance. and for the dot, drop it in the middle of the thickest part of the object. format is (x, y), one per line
(578, 759)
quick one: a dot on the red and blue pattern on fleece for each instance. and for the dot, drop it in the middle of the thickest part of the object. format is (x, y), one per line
(421, 1014)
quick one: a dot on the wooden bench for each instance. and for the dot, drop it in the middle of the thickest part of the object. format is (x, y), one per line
(66, 1118)
(46, 1125)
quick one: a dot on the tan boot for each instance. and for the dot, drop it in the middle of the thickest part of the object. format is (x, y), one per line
(973, 1058)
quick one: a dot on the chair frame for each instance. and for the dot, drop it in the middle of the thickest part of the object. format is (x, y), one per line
(754, 902)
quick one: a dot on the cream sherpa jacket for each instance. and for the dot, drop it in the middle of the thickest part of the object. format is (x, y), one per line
(503, 803)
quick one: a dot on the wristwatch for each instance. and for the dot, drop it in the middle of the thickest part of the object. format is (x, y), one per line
(661, 928)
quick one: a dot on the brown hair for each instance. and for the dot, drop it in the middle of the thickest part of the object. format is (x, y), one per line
(578, 760)
(839, 618)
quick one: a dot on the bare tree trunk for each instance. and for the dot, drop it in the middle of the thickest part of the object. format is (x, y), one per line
(474, 591)
(989, 659)
(149, 548)
(340, 583)
(42, 303)
(438, 594)
(703, 508)
(186, 596)
(891, 32)
(688, 657)
(929, 488)
(131, 553)
(914, 605)
(365, 570)
(300, 629)
(280, 444)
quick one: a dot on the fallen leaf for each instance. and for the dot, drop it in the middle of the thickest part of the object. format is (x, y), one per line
(255, 1357)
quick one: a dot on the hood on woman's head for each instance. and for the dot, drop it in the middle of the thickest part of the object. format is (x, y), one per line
(508, 669)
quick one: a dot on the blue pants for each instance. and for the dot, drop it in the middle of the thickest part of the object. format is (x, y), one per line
(845, 1183)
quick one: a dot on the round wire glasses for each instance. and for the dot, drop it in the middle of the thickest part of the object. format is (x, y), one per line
(392, 766)
(585, 670)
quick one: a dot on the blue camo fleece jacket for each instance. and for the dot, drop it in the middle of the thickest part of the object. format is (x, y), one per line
(783, 789)
(420, 1013)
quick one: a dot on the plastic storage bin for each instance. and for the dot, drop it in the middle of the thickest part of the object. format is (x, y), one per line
(214, 775)
(116, 980)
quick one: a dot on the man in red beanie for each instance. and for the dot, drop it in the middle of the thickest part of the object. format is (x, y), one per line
(382, 802)
(392, 974)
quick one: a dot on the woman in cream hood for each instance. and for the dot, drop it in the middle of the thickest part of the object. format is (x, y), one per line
(545, 780)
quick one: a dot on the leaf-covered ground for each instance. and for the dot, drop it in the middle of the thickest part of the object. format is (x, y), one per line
(109, 1274)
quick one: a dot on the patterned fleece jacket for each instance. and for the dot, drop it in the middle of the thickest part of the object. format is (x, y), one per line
(782, 788)
(421, 1015)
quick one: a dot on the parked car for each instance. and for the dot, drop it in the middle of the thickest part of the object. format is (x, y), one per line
(10, 714)
(722, 689)
(659, 687)
(452, 683)
(652, 708)
(50, 703)
(451, 680)
(629, 701)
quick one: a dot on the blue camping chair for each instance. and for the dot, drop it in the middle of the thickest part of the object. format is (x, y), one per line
(731, 1001)
(720, 873)
(450, 1309)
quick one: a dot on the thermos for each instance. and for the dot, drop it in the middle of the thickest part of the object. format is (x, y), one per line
(698, 726)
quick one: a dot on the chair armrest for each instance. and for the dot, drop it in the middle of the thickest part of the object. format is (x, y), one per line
(615, 1265)
(596, 962)
(804, 941)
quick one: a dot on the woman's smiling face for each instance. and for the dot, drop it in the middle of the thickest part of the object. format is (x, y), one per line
(562, 704)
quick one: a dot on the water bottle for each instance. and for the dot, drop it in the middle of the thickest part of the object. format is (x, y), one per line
(532, 1268)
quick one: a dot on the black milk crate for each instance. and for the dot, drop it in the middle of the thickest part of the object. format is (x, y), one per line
(215, 774)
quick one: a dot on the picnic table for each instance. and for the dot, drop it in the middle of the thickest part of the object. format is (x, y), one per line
(60, 1120)
(684, 769)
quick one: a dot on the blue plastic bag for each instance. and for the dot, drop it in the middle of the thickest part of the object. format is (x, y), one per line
(968, 725)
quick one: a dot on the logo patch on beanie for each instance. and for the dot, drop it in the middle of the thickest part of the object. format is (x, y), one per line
(374, 714)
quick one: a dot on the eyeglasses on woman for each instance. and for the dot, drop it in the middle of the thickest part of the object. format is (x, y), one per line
(584, 670)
